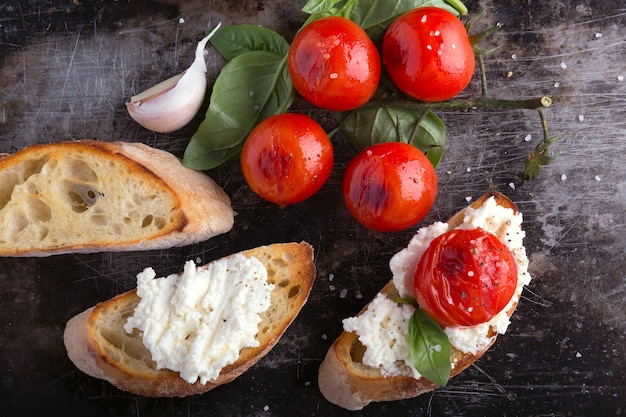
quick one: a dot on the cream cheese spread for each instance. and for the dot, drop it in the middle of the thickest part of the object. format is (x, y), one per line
(389, 347)
(197, 322)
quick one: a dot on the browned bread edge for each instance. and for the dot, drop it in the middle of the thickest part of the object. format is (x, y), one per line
(205, 207)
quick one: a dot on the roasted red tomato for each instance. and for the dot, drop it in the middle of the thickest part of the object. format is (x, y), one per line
(389, 186)
(287, 158)
(333, 64)
(465, 277)
(428, 55)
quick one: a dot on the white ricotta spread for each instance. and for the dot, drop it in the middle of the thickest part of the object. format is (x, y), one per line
(389, 348)
(197, 322)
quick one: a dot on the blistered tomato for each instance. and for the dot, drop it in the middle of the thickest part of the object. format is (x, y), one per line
(428, 55)
(287, 158)
(333, 64)
(465, 277)
(389, 186)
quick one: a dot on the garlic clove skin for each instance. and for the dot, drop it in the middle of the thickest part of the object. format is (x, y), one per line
(171, 104)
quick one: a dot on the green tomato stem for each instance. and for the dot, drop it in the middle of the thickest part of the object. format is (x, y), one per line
(474, 103)
(458, 5)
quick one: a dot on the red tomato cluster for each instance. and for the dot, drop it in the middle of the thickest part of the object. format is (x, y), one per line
(334, 65)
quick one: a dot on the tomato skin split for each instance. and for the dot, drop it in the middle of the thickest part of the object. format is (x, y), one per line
(389, 186)
(428, 55)
(465, 277)
(287, 158)
(333, 64)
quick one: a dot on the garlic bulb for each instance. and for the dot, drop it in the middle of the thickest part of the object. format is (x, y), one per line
(172, 103)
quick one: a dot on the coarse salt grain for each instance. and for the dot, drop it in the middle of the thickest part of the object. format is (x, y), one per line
(563, 177)
(557, 84)
(620, 78)
(528, 138)
(563, 65)
(468, 198)
(598, 178)
(512, 186)
(581, 117)
(343, 293)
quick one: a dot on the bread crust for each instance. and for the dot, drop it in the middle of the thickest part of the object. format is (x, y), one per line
(352, 385)
(98, 355)
(205, 209)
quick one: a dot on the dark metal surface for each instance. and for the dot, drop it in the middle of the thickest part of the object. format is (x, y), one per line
(66, 68)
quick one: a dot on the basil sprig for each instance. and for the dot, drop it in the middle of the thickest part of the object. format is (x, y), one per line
(429, 346)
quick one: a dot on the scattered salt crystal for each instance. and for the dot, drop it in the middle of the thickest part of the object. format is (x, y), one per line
(598, 178)
(343, 293)
(307, 383)
(499, 24)
(557, 84)
(512, 186)
(598, 35)
(528, 138)
(198, 260)
(359, 295)
(563, 65)
(581, 117)
(620, 78)
(469, 169)
(331, 277)
(563, 177)
(468, 198)
(514, 56)
(333, 75)
(579, 355)
(331, 287)
(324, 337)
(181, 20)
(266, 408)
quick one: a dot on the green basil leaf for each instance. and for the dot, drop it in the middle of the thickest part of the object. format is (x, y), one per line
(424, 130)
(250, 88)
(327, 7)
(231, 41)
(374, 16)
(429, 348)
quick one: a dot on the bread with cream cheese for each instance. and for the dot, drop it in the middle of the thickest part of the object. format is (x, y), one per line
(98, 345)
(347, 382)
(94, 196)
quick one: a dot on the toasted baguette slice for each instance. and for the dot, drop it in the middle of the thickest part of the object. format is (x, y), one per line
(345, 381)
(91, 196)
(98, 344)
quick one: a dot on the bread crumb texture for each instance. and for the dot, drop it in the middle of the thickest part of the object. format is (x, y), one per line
(69, 194)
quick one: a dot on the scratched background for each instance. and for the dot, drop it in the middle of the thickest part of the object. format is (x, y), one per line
(66, 69)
